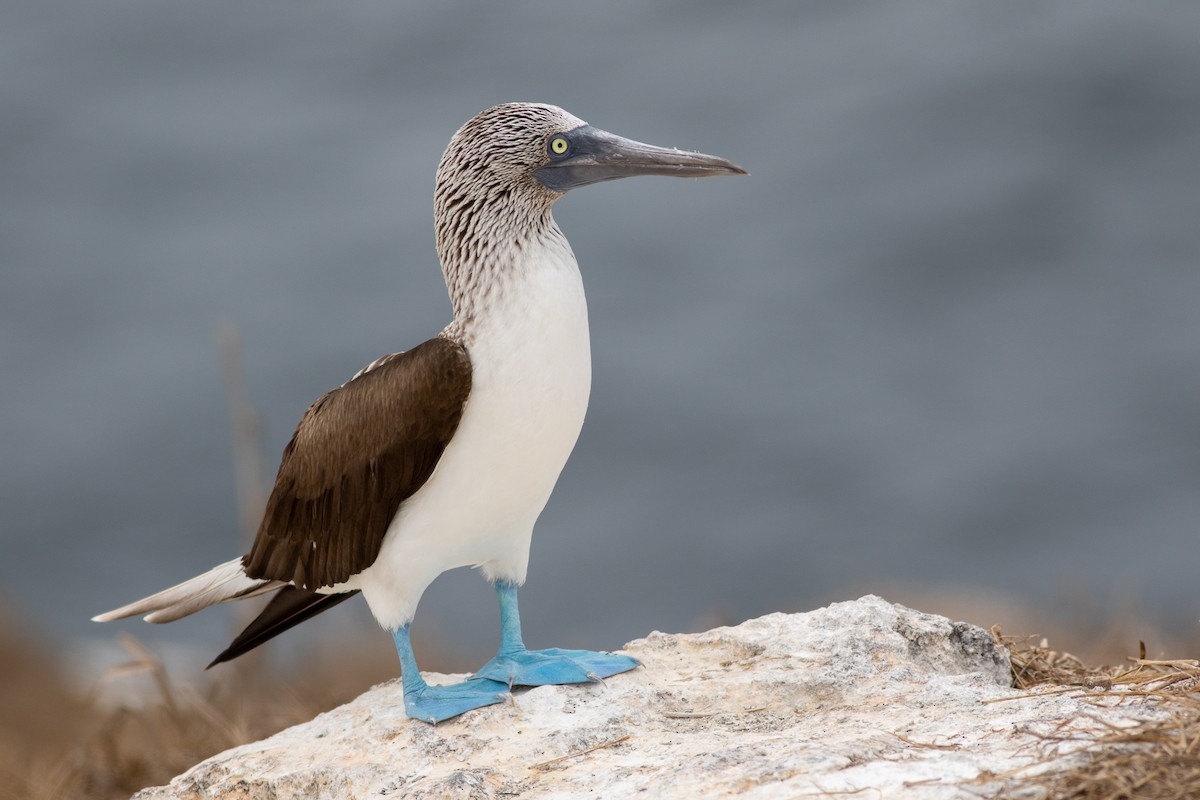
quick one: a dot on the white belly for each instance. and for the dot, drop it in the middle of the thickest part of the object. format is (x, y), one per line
(531, 376)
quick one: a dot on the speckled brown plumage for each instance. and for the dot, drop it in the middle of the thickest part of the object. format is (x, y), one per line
(488, 206)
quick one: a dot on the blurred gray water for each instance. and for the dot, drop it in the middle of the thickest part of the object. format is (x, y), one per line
(946, 334)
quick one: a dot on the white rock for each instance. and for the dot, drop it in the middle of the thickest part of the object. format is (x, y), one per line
(854, 696)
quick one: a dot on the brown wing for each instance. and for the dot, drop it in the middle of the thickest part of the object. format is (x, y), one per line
(358, 453)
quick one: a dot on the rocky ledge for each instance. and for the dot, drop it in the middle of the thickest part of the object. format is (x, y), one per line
(864, 695)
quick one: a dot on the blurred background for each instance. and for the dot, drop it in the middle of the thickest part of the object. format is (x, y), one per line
(943, 345)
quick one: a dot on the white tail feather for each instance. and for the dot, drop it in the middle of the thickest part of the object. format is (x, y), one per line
(221, 583)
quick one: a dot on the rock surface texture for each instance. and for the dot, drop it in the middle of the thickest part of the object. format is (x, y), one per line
(858, 696)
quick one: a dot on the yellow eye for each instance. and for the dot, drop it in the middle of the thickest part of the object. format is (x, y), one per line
(559, 145)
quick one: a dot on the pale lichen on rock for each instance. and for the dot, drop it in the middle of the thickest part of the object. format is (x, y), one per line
(857, 695)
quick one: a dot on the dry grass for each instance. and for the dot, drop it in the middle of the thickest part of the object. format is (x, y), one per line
(56, 742)
(1158, 759)
(1039, 665)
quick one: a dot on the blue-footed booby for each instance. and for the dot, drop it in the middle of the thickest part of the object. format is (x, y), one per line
(444, 455)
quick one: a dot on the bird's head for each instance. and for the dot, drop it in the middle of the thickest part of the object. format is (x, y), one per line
(537, 149)
(504, 169)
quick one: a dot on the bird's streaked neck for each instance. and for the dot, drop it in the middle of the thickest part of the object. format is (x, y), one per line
(487, 243)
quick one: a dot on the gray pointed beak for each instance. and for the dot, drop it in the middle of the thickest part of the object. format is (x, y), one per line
(593, 155)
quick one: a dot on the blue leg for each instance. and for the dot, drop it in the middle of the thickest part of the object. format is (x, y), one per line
(436, 703)
(516, 666)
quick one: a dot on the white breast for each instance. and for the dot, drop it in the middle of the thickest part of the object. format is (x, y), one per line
(531, 377)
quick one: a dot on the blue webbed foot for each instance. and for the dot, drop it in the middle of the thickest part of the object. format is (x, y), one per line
(554, 666)
(516, 666)
(436, 703)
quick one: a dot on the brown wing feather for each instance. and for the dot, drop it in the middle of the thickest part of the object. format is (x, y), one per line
(288, 608)
(358, 453)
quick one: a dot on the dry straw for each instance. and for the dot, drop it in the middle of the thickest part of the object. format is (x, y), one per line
(1155, 759)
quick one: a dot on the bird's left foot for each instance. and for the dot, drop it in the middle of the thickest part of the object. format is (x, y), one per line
(433, 704)
(554, 666)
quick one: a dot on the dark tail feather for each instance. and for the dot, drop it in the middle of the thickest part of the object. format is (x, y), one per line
(289, 607)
